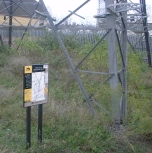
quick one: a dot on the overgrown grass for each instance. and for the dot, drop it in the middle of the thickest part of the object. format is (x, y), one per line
(68, 125)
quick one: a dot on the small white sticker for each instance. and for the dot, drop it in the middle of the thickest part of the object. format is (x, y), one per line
(45, 66)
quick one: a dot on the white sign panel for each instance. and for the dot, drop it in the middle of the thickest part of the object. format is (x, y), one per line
(35, 84)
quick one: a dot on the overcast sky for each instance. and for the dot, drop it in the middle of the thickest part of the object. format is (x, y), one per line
(60, 8)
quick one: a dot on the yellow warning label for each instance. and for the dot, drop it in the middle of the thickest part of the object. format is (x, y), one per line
(27, 69)
(45, 90)
(27, 95)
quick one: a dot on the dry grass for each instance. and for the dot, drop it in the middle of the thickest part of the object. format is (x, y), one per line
(16, 65)
(68, 125)
(5, 94)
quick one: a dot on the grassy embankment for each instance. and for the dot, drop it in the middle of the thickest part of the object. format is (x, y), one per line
(68, 125)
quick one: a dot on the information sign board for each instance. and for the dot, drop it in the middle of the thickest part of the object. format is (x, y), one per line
(35, 84)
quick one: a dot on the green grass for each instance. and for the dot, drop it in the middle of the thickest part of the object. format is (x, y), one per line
(68, 125)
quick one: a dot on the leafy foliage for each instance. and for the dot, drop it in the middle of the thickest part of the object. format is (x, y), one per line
(139, 77)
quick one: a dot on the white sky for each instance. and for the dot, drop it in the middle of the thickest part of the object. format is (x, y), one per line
(60, 8)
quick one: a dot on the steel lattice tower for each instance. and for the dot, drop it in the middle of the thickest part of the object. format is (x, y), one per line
(116, 14)
(116, 33)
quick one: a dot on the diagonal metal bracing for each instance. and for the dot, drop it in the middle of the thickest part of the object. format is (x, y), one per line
(27, 8)
(122, 58)
(96, 103)
(6, 8)
(18, 21)
(37, 21)
(18, 6)
(101, 85)
(114, 73)
(77, 15)
(11, 6)
(93, 48)
(60, 22)
(26, 30)
(132, 47)
(136, 24)
(138, 42)
(88, 100)
(75, 70)
(121, 15)
(136, 45)
(5, 20)
(23, 9)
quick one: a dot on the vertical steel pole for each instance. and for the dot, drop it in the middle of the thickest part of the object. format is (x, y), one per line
(28, 127)
(27, 26)
(124, 52)
(112, 56)
(40, 113)
(10, 23)
(146, 33)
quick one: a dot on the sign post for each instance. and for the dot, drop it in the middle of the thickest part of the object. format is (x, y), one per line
(35, 92)
(28, 127)
(40, 112)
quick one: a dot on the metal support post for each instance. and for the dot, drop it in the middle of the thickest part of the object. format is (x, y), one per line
(40, 112)
(124, 63)
(146, 33)
(112, 55)
(10, 23)
(28, 127)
